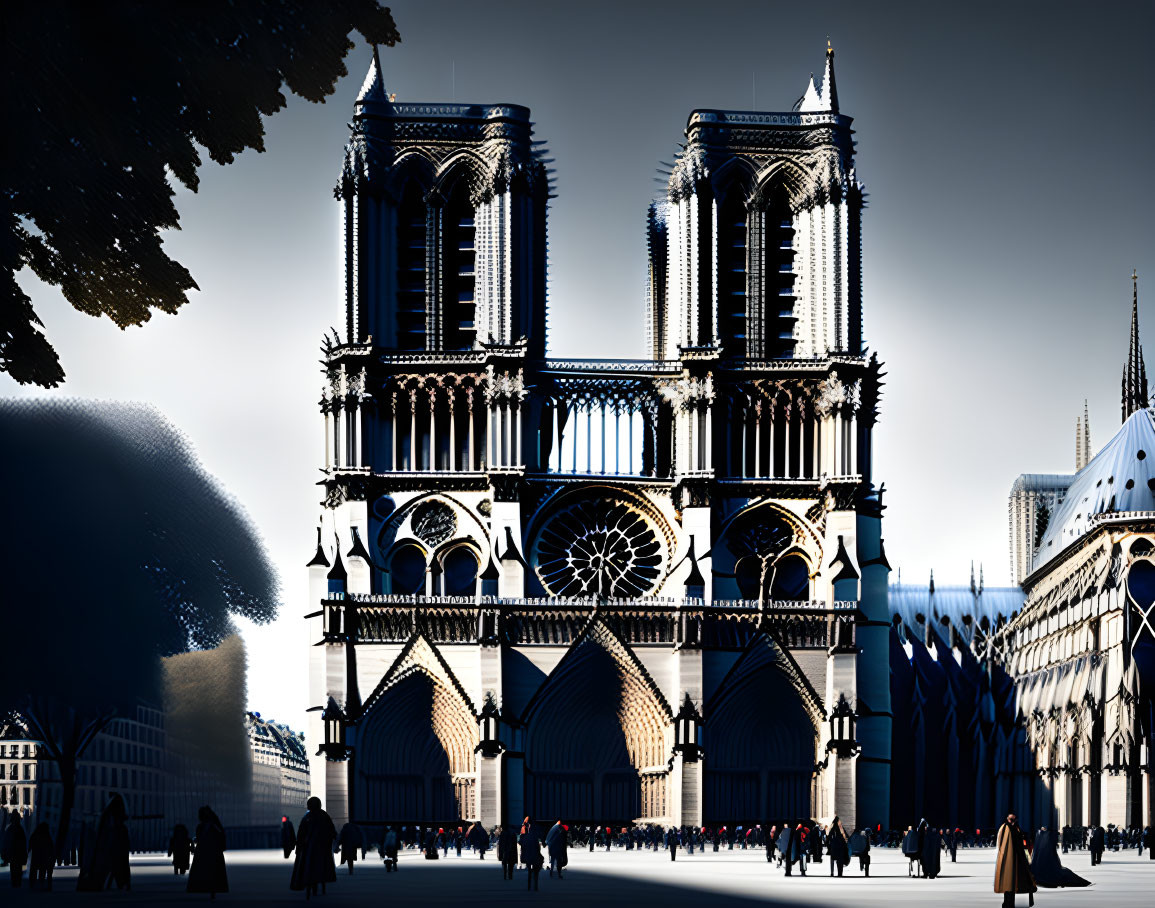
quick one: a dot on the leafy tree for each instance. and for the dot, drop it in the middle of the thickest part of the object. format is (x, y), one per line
(104, 104)
(120, 549)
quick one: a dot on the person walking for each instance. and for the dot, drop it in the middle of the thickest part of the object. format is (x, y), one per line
(558, 847)
(41, 858)
(1046, 868)
(107, 860)
(672, 842)
(14, 847)
(208, 866)
(352, 844)
(179, 849)
(859, 847)
(1096, 844)
(792, 844)
(1149, 841)
(530, 853)
(389, 849)
(478, 839)
(507, 851)
(288, 836)
(931, 855)
(1012, 868)
(314, 865)
(837, 847)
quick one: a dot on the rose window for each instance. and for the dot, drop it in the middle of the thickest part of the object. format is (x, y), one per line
(599, 547)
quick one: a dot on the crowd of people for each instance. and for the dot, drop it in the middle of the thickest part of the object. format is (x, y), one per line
(1023, 862)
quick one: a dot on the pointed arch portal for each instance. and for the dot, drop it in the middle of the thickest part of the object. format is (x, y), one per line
(595, 742)
(414, 760)
(760, 741)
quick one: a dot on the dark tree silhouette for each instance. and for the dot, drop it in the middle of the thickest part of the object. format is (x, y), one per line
(120, 549)
(103, 104)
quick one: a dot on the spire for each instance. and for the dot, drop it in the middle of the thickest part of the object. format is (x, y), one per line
(811, 100)
(1135, 373)
(973, 590)
(932, 581)
(980, 578)
(1082, 439)
(338, 573)
(829, 89)
(373, 89)
(319, 559)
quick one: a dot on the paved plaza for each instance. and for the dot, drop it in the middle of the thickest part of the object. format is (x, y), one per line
(617, 879)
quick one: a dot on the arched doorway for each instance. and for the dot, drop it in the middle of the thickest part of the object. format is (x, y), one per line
(414, 754)
(759, 740)
(595, 743)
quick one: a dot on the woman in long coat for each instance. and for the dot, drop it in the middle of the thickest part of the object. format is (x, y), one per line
(351, 843)
(314, 865)
(931, 857)
(208, 866)
(179, 849)
(41, 858)
(288, 836)
(555, 842)
(108, 858)
(1046, 867)
(530, 852)
(859, 847)
(1012, 869)
(836, 847)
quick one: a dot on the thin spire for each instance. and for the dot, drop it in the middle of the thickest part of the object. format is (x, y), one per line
(829, 89)
(1135, 372)
(973, 590)
(373, 88)
(932, 580)
(980, 578)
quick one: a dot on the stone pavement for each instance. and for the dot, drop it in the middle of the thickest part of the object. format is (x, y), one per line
(621, 878)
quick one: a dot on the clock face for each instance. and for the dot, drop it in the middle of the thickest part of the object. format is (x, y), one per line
(434, 522)
(599, 547)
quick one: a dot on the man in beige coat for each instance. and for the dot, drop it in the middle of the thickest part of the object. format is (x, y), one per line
(1012, 867)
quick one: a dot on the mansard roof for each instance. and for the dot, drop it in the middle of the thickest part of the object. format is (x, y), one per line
(1119, 479)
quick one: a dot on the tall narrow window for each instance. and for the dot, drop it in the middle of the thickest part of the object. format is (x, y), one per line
(779, 279)
(411, 270)
(732, 274)
(459, 256)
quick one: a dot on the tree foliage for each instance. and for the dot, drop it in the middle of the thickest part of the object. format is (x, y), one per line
(120, 549)
(104, 105)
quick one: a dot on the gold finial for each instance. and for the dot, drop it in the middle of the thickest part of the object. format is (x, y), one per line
(829, 49)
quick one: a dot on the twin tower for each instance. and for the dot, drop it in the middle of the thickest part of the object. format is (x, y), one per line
(607, 591)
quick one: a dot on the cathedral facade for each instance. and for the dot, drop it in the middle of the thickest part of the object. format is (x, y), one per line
(605, 591)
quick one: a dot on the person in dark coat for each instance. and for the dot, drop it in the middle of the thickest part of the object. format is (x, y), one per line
(389, 849)
(672, 842)
(14, 847)
(41, 858)
(814, 843)
(179, 849)
(1012, 867)
(507, 851)
(288, 836)
(771, 843)
(429, 848)
(931, 856)
(1046, 867)
(791, 842)
(107, 859)
(314, 865)
(558, 847)
(1097, 844)
(859, 847)
(837, 847)
(1149, 842)
(208, 866)
(351, 843)
(531, 855)
(910, 847)
(478, 839)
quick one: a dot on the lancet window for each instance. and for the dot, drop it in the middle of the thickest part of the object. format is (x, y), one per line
(411, 256)
(459, 259)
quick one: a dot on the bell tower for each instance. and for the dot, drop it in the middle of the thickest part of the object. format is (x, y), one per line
(444, 225)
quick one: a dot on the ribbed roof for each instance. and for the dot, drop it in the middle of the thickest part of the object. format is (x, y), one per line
(1121, 477)
(955, 605)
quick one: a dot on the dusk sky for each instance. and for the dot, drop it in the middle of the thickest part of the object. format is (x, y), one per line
(1005, 149)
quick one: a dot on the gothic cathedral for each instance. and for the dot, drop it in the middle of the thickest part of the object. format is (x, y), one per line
(606, 591)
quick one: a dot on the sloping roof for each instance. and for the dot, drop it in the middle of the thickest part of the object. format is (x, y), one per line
(1120, 478)
(1042, 482)
(958, 605)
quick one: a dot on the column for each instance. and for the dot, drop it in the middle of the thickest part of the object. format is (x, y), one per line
(452, 428)
(516, 460)
(506, 419)
(709, 405)
(433, 427)
(393, 436)
(413, 429)
(786, 449)
(469, 413)
(757, 438)
(770, 442)
(328, 437)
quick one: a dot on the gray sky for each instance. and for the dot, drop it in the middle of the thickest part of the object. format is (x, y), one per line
(1005, 149)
